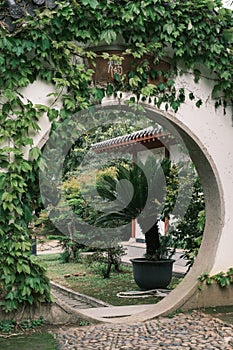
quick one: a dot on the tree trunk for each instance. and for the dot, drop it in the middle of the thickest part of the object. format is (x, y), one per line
(151, 232)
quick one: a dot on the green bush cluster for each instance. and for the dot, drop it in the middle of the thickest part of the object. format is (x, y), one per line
(9, 326)
(102, 261)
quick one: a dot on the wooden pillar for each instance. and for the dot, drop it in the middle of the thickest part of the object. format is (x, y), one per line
(167, 153)
(133, 228)
(166, 224)
(133, 222)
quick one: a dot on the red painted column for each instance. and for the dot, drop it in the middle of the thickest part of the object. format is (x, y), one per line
(133, 230)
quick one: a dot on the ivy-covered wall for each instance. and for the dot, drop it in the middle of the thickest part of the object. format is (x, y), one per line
(53, 46)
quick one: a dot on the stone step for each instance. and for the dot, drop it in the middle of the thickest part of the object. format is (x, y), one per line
(91, 308)
(75, 300)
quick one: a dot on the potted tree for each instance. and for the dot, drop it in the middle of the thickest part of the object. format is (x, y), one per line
(138, 191)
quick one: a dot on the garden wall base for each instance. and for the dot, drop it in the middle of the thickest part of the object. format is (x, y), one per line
(209, 296)
(55, 314)
(60, 313)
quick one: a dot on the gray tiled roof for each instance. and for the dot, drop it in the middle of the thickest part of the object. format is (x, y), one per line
(13, 10)
(137, 136)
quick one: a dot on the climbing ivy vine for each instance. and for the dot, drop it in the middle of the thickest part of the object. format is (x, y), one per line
(55, 46)
(223, 279)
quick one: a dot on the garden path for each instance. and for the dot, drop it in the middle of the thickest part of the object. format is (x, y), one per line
(194, 330)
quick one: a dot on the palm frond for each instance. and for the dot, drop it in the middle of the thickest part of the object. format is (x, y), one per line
(134, 187)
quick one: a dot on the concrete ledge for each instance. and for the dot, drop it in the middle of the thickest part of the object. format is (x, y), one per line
(114, 313)
(210, 295)
(54, 313)
(90, 300)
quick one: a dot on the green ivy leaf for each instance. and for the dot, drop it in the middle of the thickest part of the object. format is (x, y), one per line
(93, 3)
(45, 44)
(197, 74)
(134, 82)
(191, 96)
(34, 153)
(52, 114)
(98, 93)
(18, 50)
(199, 103)
(109, 90)
(108, 36)
(169, 27)
(228, 35)
(161, 86)
(175, 105)
(226, 75)
(2, 179)
(27, 213)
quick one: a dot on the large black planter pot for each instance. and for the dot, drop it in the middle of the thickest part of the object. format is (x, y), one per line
(149, 274)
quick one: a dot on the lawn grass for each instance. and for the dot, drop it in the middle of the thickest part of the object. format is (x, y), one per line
(93, 284)
(44, 341)
(106, 289)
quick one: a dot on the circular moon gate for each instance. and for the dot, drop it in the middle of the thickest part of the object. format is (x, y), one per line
(215, 251)
(181, 296)
(184, 295)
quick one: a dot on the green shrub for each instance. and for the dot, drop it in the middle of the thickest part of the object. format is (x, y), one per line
(102, 261)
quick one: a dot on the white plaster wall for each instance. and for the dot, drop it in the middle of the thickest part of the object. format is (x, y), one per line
(209, 128)
(215, 131)
(39, 93)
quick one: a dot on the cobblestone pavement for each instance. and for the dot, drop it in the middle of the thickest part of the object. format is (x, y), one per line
(193, 331)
